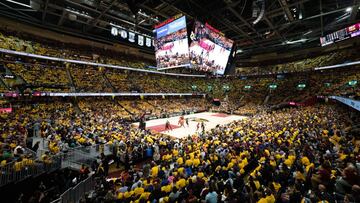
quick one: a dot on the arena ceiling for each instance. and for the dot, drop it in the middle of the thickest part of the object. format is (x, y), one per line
(284, 25)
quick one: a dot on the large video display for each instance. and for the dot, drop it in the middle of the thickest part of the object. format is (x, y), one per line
(209, 49)
(171, 44)
(343, 34)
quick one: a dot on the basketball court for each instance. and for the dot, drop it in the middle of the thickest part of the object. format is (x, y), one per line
(211, 120)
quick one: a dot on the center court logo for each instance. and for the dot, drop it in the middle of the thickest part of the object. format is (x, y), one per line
(198, 119)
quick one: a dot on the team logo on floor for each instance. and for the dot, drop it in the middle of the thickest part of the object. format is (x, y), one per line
(198, 119)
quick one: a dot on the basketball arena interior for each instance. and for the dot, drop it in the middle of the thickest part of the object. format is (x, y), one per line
(179, 101)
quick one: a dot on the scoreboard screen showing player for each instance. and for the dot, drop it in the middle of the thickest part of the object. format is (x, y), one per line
(171, 43)
(343, 34)
(209, 49)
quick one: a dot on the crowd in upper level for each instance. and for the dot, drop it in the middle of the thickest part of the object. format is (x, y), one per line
(307, 64)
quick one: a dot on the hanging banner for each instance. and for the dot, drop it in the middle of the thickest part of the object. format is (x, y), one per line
(123, 34)
(131, 37)
(148, 42)
(114, 31)
(140, 40)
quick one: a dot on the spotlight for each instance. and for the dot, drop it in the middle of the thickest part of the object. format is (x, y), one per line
(348, 9)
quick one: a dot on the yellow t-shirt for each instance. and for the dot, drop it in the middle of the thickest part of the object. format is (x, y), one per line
(154, 171)
(257, 184)
(305, 161)
(188, 162)
(166, 188)
(196, 162)
(181, 183)
(180, 161)
(138, 190)
(181, 170)
(120, 195)
(128, 194)
(262, 200)
(145, 195)
(270, 199)
(3, 163)
(277, 186)
(17, 166)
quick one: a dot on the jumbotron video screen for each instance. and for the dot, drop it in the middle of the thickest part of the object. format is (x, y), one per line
(209, 49)
(171, 44)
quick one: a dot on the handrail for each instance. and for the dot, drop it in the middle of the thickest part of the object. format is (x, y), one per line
(74, 194)
(350, 102)
(18, 171)
(96, 94)
(93, 64)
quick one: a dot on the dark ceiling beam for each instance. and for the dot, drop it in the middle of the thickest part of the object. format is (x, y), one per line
(244, 21)
(315, 34)
(286, 9)
(44, 11)
(321, 18)
(77, 20)
(304, 21)
(95, 20)
(276, 12)
(354, 10)
(62, 17)
(280, 11)
(169, 4)
(273, 28)
(232, 4)
(111, 17)
(18, 11)
(221, 19)
(156, 12)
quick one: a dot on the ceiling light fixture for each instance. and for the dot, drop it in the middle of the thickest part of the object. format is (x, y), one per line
(300, 16)
(296, 41)
(348, 9)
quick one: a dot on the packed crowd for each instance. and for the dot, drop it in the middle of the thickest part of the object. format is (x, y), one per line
(291, 155)
(308, 64)
(35, 45)
(69, 123)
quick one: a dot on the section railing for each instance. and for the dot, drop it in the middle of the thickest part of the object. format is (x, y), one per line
(74, 194)
(19, 170)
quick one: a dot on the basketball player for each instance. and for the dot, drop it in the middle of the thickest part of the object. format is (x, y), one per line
(203, 126)
(168, 126)
(187, 122)
(181, 121)
(197, 127)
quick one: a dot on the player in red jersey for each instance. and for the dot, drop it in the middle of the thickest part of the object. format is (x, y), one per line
(181, 121)
(168, 126)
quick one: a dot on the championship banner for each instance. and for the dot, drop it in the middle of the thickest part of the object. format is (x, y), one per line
(140, 40)
(123, 34)
(131, 37)
(114, 31)
(148, 42)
